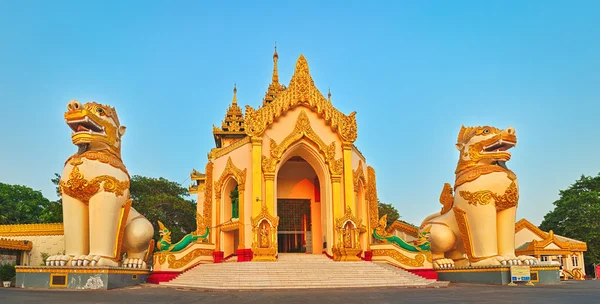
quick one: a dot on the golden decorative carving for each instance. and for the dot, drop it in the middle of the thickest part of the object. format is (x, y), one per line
(149, 251)
(22, 245)
(122, 223)
(301, 91)
(32, 229)
(523, 223)
(200, 225)
(348, 230)
(80, 188)
(218, 152)
(230, 226)
(175, 263)
(471, 174)
(269, 164)
(102, 156)
(463, 227)
(302, 130)
(81, 269)
(446, 198)
(371, 197)
(404, 227)
(359, 176)
(509, 199)
(208, 195)
(492, 269)
(417, 261)
(536, 247)
(264, 234)
(231, 170)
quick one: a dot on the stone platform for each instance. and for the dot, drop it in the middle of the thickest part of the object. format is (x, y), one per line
(497, 275)
(78, 277)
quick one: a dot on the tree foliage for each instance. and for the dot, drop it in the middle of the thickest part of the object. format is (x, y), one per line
(21, 205)
(391, 211)
(159, 199)
(576, 215)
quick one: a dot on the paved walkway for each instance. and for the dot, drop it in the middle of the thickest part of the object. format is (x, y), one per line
(566, 292)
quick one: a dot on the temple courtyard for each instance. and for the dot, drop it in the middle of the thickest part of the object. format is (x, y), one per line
(565, 292)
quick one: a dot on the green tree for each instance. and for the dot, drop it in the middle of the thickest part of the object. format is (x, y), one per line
(21, 204)
(159, 199)
(53, 212)
(576, 215)
(391, 211)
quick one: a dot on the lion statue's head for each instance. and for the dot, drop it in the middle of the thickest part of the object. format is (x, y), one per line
(95, 127)
(484, 146)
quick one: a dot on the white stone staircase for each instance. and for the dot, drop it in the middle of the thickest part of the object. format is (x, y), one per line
(293, 271)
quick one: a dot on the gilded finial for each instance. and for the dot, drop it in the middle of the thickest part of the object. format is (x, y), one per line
(275, 78)
(329, 94)
(234, 101)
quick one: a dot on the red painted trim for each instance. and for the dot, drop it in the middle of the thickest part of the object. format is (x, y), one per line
(218, 256)
(244, 255)
(327, 254)
(426, 273)
(162, 276)
(368, 256)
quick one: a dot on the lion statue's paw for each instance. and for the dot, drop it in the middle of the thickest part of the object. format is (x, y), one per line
(58, 260)
(134, 263)
(511, 260)
(443, 263)
(91, 261)
(528, 260)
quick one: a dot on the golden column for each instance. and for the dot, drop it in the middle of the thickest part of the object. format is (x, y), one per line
(241, 218)
(218, 228)
(348, 179)
(256, 175)
(270, 191)
(336, 197)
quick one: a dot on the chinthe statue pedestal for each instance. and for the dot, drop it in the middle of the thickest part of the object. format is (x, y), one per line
(500, 275)
(79, 277)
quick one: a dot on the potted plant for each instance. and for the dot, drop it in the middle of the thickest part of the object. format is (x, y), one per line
(7, 273)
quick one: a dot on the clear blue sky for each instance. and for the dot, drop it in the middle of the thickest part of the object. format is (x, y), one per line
(414, 72)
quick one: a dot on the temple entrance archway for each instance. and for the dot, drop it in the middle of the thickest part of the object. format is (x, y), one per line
(302, 204)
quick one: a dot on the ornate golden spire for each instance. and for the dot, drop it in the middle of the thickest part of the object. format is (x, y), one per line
(275, 87)
(234, 101)
(275, 78)
(233, 124)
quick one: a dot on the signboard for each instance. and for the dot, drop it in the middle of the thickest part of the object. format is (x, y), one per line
(520, 274)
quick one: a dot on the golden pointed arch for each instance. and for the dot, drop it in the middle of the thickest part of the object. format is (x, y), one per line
(231, 171)
(303, 130)
(359, 176)
(301, 90)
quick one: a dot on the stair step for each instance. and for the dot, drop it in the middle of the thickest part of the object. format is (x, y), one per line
(293, 271)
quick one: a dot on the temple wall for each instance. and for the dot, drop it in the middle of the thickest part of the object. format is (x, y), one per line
(241, 159)
(50, 244)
